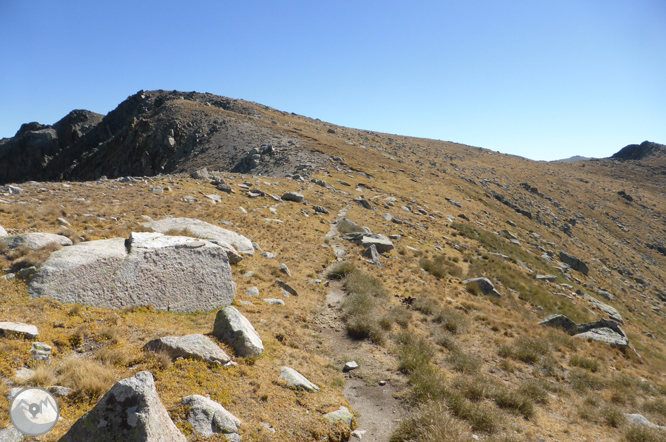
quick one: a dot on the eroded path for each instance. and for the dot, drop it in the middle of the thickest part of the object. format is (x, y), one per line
(371, 389)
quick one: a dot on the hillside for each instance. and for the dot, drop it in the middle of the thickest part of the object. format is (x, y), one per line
(438, 358)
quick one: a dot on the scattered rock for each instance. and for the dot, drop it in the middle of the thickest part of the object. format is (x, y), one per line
(286, 287)
(41, 352)
(357, 434)
(3, 233)
(131, 411)
(191, 346)
(34, 241)
(363, 202)
(320, 209)
(224, 188)
(268, 255)
(609, 310)
(59, 390)
(11, 434)
(209, 418)
(296, 380)
(284, 269)
(639, 419)
(29, 331)
(484, 284)
(204, 230)
(625, 195)
(604, 330)
(201, 174)
(372, 253)
(343, 414)
(559, 321)
(293, 196)
(174, 273)
(273, 301)
(62, 222)
(235, 329)
(381, 242)
(549, 278)
(349, 366)
(574, 263)
(252, 291)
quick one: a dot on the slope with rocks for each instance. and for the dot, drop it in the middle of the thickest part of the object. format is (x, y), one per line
(551, 238)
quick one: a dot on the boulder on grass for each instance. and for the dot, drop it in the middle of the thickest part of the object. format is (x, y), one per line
(235, 329)
(209, 418)
(296, 380)
(574, 263)
(559, 321)
(29, 331)
(484, 284)
(190, 346)
(131, 412)
(175, 273)
(34, 241)
(204, 230)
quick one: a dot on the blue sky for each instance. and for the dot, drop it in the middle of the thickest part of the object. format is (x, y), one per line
(540, 79)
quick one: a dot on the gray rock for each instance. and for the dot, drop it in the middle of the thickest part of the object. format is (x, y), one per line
(41, 352)
(559, 321)
(273, 301)
(484, 284)
(346, 226)
(296, 380)
(11, 434)
(609, 310)
(12, 393)
(175, 273)
(29, 331)
(320, 209)
(3, 233)
(255, 245)
(574, 263)
(224, 188)
(209, 418)
(131, 411)
(349, 366)
(639, 419)
(214, 198)
(388, 217)
(284, 269)
(604, 294)
(549, 278)
(62, 222)
(190, 346)
(12, 190)
(34, 241)
(381, 242)
(364, 203)
(201, 174)
(268, 255)
(26, 273)
(289, 289)
(252, 291)
(605, 331)
(206, 231)
(59, 390)
(293, 196)
(343, 414)
(372, 253)
(235, 329)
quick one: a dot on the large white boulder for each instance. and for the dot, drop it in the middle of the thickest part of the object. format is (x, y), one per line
(204, 230)
(175, 273)
(34, 240)
(131, 411)
(236, 330)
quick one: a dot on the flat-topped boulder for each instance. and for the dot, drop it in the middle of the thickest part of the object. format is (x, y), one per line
(131, 411)
(203, 230)
(191, 346)
(381, 242)
(175, 273)
(34, 241)
(29, 331)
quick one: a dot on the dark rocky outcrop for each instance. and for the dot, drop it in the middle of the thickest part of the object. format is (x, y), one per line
(639, 151)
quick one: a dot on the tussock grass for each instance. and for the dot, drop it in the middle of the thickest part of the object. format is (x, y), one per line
(23, 257)
(462, 362)
(427, 306)
(340, 270)
(88, 378)
(526, 349)
(362, 307)
(588, 364)
(637, 433)
(413, 352)
(582, 381)
(452, 321)
(440, 267)
(431, 424)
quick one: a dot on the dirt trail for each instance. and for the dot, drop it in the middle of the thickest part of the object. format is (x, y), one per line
(372, 388)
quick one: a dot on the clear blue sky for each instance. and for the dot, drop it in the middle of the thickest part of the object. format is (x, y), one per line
(540, 79)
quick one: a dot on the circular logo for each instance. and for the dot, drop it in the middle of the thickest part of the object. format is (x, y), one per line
(34, 411)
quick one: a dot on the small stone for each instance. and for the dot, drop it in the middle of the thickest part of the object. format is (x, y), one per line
(293, 196)
(284, 269)
(343, 414)
(268, 255)
(286, 287)
(252, 291)
(63, 222)
(273, 301)
(349, 366)
(296, 380)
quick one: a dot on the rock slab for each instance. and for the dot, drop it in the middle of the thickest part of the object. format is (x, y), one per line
(574, 263)
(131, 411)
(209, 418)
(484, 284)
(190, 346)
(236, 330)
(29, 331)
(296, 380)
(34, 240)
(175, 273)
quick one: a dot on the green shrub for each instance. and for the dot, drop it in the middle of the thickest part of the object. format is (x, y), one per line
(360, 283)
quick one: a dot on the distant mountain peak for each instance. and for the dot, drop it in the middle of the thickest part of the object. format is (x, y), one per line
(639, 151)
